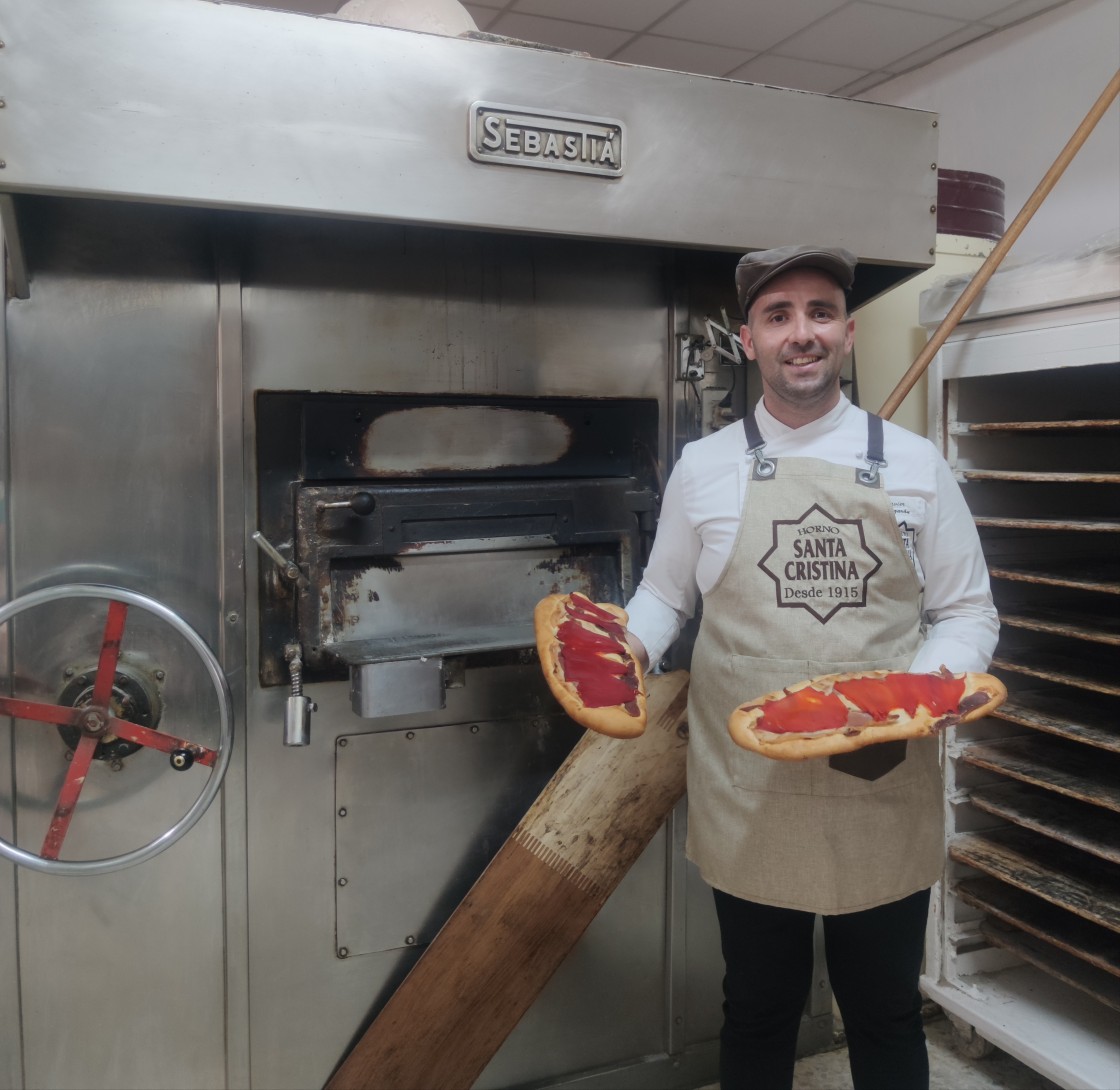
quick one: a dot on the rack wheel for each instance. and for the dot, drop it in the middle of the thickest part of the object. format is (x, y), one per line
(95, 720)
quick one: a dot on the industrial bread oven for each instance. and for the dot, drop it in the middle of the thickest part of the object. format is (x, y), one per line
(328, 349)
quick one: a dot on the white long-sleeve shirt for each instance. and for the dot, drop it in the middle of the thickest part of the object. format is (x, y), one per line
(703, 502)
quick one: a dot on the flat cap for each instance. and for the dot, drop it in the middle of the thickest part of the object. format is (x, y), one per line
(760, 267)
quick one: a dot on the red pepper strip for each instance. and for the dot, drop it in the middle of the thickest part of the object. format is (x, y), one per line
(110, 652)
(574, 634)
(610, 625)
(906, 692)
(42, 713)
(871, 695)
(68, 796)
(802, 711)
(600, 682)
(157, 739)
(579, 603)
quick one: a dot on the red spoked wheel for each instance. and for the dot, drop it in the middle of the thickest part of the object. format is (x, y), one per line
(96, 719)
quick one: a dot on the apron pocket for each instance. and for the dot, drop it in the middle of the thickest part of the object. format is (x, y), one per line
(830, 780)
(749, 771)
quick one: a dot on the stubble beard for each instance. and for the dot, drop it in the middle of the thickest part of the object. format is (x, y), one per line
(808, 394)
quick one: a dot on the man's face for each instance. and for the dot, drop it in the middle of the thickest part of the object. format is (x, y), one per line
(799, 331)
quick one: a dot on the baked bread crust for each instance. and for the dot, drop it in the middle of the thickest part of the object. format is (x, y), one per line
(981, 694)
(603, 624)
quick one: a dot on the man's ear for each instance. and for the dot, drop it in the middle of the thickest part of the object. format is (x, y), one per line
(747, 340)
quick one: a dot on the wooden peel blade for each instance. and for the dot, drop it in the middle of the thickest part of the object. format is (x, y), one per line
(520, 920)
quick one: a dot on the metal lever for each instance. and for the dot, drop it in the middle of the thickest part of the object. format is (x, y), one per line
(297, 712)
(361, 503)
(289, 568)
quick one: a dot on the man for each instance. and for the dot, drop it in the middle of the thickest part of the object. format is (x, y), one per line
(822, 540)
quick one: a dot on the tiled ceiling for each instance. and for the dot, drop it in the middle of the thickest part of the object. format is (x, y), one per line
(841, 47)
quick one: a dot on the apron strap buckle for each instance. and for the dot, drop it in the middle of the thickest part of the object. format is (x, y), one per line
(870, 476)
(764, 467)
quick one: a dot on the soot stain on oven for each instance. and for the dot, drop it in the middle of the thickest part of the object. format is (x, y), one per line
(349, 590)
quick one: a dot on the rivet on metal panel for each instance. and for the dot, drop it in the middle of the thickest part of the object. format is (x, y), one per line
(343, 952)
(341, 742)
(160, 675)
(410, 940)
(933, 166)
(935, 123)
(68, 672)
(342, 811)
(474, 728)
(932, 251)
(116, 764)
(232, 617)
(410, 735)
(342, 881)
(933, 207)
(2, 164)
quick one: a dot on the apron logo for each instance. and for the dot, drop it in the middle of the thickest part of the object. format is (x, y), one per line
(820, 563)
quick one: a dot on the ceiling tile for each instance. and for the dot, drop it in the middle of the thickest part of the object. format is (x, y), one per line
(623, 14)
(707, 60)
(939, 48)
(1024, 10)
(756, 27)
(968, 10)
(868, 36)
(598, 41)
(802, 75)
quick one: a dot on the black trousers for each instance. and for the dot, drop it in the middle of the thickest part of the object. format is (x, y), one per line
(874, 959)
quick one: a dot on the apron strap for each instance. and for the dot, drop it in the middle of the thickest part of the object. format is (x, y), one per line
(875, 460)
(763, 467)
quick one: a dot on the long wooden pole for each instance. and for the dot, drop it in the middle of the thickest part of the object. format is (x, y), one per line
(984, 273)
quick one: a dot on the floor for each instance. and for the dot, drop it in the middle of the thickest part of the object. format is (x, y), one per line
(950, 1069)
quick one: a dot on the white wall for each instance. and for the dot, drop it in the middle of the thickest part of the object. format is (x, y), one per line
(1009, 103)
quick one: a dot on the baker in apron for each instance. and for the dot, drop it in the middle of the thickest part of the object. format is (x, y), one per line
(818, 576)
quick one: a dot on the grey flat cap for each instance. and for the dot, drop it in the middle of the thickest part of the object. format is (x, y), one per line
(759, 268)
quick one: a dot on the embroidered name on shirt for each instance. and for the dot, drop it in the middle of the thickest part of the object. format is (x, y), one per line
(820, 563)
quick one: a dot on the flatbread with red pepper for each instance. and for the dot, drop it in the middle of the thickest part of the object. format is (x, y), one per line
(588, 663)
(839, 713)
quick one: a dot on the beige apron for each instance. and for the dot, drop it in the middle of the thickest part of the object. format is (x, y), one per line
(818, 582)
